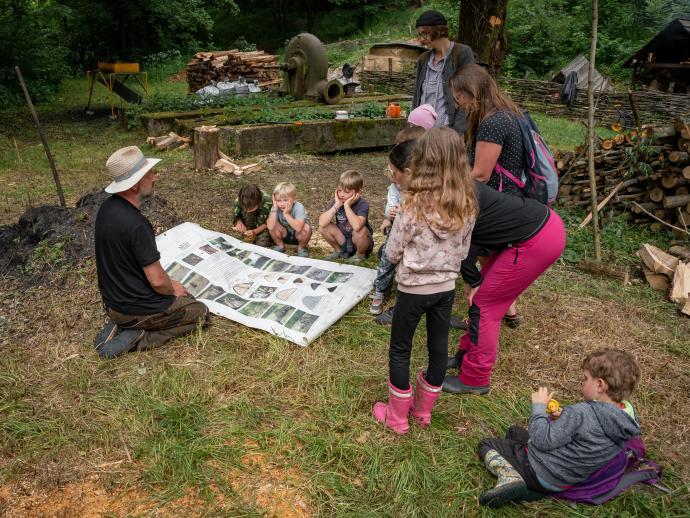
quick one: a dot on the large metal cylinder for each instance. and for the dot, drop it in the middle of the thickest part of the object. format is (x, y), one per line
(306, 70)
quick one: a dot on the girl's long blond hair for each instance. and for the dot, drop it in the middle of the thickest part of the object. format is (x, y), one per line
(441, 189)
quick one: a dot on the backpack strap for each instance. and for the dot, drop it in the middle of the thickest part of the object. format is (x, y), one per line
(500, 170)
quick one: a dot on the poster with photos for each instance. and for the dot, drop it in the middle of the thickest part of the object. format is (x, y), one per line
(292, 297)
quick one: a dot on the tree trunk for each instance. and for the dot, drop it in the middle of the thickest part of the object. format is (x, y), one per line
(206, 147)
(481, 27)
(591, 132)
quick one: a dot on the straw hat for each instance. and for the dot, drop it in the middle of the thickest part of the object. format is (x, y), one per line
(127, 166)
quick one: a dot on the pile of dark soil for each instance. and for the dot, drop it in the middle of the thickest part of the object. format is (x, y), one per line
(71, 230)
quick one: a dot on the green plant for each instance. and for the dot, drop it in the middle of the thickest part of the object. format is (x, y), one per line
(619, 240)
(638, 156)
(133, 114)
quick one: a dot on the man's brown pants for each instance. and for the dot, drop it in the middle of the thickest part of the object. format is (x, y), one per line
(182, 317)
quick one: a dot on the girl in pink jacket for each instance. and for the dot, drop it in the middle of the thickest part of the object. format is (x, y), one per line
(428, 241)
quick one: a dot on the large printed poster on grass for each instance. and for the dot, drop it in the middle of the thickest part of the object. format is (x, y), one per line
(292, 297)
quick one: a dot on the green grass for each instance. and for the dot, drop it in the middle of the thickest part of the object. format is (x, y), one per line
(565, 134)
(229, 414)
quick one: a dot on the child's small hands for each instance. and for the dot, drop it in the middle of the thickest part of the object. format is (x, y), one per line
(542, 395)
(557, 413)
(351, 201)
(470, 292)
(385, 226)
(393, 213)
(337, 203)
(249, 234)
(288, 206)
(239, 226)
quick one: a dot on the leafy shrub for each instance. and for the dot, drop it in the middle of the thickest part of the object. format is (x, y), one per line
(28, 33)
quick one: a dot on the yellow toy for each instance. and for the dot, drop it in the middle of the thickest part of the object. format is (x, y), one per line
(552, 407)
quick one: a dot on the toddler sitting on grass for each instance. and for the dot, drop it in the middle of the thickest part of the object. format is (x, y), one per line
(554, 454)
(250, 213)
(288, 222)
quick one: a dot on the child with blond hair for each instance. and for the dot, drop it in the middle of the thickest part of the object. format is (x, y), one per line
(288, 222)
(429, 239)
(345, 221)
(554, 454)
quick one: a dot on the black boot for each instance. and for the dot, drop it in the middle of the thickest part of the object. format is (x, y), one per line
(455, 362)
(453, 385)
(458, 323)
(121, 343)
(385, 318)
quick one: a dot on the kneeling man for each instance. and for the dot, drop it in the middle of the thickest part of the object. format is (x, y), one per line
(144, 305)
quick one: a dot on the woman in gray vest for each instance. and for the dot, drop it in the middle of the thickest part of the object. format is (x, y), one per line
(436, 66)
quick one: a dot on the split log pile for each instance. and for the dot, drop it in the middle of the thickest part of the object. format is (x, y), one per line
(647, 174)
(226, 165)
(668, 270)
(231, 64)
(169, 142)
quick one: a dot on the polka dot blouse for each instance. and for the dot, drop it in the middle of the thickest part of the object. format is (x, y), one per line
(501, 128)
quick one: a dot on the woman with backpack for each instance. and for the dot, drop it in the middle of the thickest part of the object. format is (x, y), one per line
(493, 133)
(436, 66)
(494, 139)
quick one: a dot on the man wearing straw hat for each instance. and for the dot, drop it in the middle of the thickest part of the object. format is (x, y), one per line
(144, 305)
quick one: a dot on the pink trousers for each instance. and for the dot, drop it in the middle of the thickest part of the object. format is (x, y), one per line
(506, 275)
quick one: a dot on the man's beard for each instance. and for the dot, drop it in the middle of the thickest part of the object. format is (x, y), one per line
(143, 197)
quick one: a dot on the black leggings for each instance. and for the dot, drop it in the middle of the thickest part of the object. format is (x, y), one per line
(409, 309)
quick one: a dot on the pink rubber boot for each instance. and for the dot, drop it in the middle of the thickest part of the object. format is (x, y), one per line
(424, 400)
(394, 413)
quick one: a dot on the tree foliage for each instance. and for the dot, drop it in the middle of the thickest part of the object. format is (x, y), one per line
(544, 35)
(50, 39)
(30, 39)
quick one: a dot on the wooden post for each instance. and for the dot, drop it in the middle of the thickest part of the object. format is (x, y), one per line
(58, 185)
(591, 132)
(206, 140)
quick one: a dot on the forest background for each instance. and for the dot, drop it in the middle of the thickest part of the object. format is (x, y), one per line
(53, 40)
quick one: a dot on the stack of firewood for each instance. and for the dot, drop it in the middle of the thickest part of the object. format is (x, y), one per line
(665, 271)
(646, 173)
(231, 64)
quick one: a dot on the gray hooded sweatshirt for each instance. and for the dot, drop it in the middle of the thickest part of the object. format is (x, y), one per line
(582, 440)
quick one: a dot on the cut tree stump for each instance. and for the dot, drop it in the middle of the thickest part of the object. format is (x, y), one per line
(206, 140)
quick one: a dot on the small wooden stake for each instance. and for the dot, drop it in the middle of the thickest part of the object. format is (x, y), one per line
(58, 185)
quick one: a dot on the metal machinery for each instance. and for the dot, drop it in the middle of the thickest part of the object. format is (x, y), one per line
(306, 71)
(114, 76)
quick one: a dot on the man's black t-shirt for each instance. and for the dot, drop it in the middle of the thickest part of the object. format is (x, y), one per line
(125, 243)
